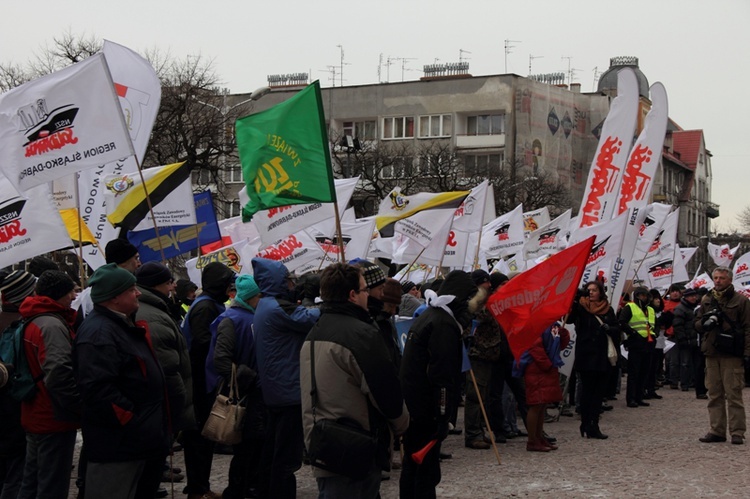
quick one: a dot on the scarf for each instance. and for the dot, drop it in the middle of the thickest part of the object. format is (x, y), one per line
(433, 300)
(600, 307)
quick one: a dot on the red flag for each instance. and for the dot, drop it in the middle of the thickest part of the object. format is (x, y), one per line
(533, 300)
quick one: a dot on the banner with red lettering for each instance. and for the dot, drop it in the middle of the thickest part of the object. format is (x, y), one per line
(649, 234)
(702, 281)
(605, 251)
(293, 251)
(279, 222)
(662, 247)
(548, 239)
(504, 235)
(28, 226)
(61, 123)
(644, 158)
(636, 218)
(742, 271)
(534, 299)
(458, 249)
(603, 183)
(355, 237)
(722, 255)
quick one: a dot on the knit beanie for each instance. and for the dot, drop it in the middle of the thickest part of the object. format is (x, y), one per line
(392, 291)
(407, 286)
(374, 275)
(480, 276)
(119, 251)
(152, 274)
(184, 286)
(17, 286)
(109, 281)
(246, 287)
(496, 279)
(39, 264)
(54, 284)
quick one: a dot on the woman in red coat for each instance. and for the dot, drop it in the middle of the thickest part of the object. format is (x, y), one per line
(539, 368)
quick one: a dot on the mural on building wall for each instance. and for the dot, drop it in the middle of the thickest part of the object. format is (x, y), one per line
(555, 130)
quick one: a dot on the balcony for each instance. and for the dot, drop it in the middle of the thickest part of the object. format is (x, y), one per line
(712, 210)
(480, 141)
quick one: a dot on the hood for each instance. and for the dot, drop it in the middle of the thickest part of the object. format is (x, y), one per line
(215, 280)
(35, 305)
(270, 276)
(459, 284)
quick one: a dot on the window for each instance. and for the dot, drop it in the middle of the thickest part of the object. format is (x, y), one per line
(400, 167)
(486, 124)
(232, 208)
(435, 126)
(482, 165)
(363, 130)
(202, 176)
(233, 174)
(401, 127)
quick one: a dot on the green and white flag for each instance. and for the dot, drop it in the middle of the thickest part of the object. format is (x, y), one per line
(284, 154)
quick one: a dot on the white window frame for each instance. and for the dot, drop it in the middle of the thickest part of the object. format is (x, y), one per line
(391, 122)
(492, 130)
(443, 122)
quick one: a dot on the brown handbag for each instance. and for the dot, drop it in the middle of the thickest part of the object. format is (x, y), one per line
(224, 422)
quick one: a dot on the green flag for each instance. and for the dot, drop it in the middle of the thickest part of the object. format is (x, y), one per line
(284, 154)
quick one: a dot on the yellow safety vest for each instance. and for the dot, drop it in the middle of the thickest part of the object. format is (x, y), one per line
(639, 323)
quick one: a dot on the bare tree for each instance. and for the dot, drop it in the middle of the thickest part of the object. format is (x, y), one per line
(744, 219)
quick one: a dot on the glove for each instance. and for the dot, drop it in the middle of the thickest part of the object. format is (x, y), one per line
(710, 321)
(747, 363)
(605, 327)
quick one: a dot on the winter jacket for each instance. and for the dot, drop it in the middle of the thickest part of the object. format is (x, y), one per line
(171, 350)
(123, 389)
(354, 375)
(487, 338)
(683, 325)
(48, 344)
(541, 376)
(12, 435)
(233, 342)
(280, 329)
(638, 339)
(591, 337)
(737, 310)
(409, 304)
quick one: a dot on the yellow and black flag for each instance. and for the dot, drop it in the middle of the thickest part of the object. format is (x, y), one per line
(126, 198)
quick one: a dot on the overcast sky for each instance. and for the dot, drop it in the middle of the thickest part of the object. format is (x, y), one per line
(699, 50)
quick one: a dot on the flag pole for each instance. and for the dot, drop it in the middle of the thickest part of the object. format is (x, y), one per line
(80, 233)
(408, 269)
(339, 235)
(150, 209)
(476, 252)
(484, 414)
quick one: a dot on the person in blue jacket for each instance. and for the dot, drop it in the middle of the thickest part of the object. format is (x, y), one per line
(281, 326)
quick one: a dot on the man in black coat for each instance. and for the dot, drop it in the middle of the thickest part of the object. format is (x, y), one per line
(430, 369)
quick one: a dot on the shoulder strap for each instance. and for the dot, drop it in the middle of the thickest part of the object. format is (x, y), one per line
(313, 386)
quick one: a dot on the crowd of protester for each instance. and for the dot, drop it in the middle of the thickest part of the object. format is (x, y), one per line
(136, 359)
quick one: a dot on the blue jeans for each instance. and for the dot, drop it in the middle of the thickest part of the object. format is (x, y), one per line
(338, 486)
(49, 458)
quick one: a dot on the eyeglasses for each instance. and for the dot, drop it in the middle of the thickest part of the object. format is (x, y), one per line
(364, 290)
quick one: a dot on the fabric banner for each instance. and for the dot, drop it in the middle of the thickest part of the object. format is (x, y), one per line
(722, 255)
(417, 273)
(457, 249)
(688, 254)
(549, 238)
(236, 256)
(226, 238)
(504, 235)
(742, 271)
(126, 202)
(355, 237)
(568, 355)
(64, 122)
(403, 324)
(429, 230)
(28, 226)
(397, 206)
(533, 300)
(282, 221)
(76, 227)
(650, 230)
(532, 220)
(662, 247)
(643, 161)
(605, 250)
(636, 218)
(293, 251)
(176, 240)
(603, 183)
(680, 268)
(472, 214)
(702, 281)
(285, 155)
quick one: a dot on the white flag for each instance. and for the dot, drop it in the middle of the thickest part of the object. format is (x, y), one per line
(649, 235)
(702, 281)
(236, 256)
(504, 235)
(547, 239)
(606, 248)
(28, 226)
(742, 271)
(687, 254)
(65, 122)
(532, 220)
(722, 255)
(355, 238)
(293, 251)
(602, 185)
(470, 216)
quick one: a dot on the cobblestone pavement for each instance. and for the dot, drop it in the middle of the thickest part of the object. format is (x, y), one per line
(651, 452)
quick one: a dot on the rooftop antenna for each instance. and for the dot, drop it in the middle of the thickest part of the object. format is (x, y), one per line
(571, 71)
(388, 63)
(332, 71)
(341, 72)
(508, 46)
(596, 78)
(380, 64)
(531, 58)
(403, 64)
(461, 53)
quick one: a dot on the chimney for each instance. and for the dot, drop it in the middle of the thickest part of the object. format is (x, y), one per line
(575, 87)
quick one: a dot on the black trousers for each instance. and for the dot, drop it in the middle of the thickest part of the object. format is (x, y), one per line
(418, 481)
(593, 387)
(282, 451)
(638, 366)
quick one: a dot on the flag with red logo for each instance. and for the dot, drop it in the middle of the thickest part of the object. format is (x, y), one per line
(649, 234)
(28, 226)
(474, 212)
(236, 256)
(605, 251)
(722, 255)
(61, 123)
(548, 239)
(533, 220)
(294, 250)
(702, 280)
(355, 236)
(600, 197)
(504, 235)
(534, 299)
(640, 169)
(742, 271)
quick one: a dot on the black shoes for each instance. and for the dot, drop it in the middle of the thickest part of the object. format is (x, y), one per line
(593, 431)
(654, 395)
(710, 438)
(702, 396)
(737, 440)
(643, 404)
(632, 404)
